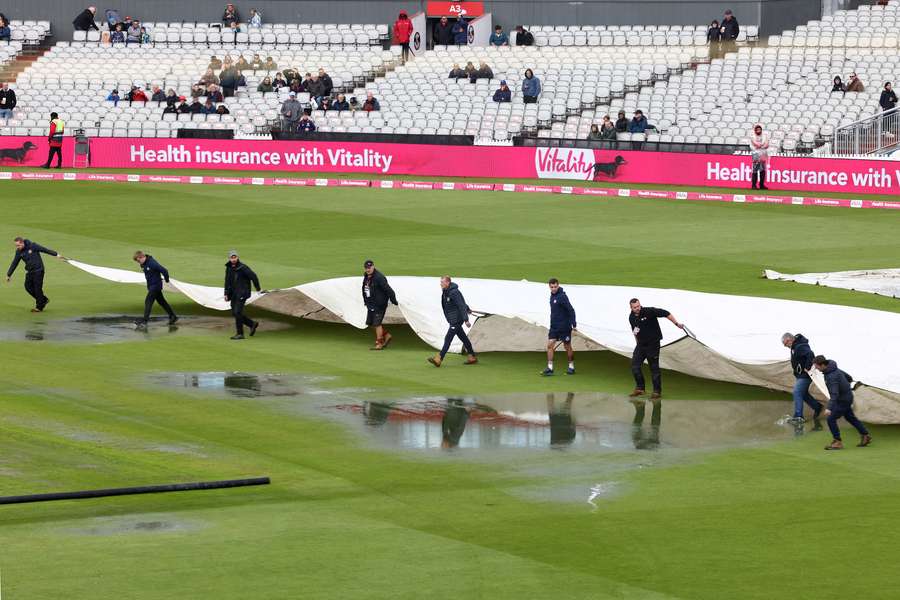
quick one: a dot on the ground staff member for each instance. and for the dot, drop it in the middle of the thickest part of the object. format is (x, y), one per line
(840, 403)
(238, 278)
(802, 358)
(30, 253)
(456, 311)
(647, 335)
(55, 138)
(154, 273)
(562, 324)
(376, 293)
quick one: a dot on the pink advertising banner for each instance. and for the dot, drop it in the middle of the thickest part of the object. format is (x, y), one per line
(632, 167)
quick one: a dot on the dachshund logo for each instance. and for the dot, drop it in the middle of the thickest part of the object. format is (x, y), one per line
(608, 169)
(16, 154)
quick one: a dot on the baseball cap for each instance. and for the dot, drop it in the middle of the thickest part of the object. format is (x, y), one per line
(368, 264)
(502, 82)
(292, 94)
(232, 253)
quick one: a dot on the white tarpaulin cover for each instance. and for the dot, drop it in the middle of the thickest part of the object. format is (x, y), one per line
(738, 338)
(884, 282)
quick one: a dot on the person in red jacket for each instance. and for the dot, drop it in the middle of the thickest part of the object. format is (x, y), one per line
(403, 30)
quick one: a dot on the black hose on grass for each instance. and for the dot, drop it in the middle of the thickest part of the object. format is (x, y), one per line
(128, 491)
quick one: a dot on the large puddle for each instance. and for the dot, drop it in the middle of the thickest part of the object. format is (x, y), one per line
(115, 328)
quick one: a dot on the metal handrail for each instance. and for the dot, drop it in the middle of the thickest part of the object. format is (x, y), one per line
(870, 135)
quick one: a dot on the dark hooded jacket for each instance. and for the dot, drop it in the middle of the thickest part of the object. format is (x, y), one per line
(562, 315)
(30, 254)
(154, 273)
(840, 390)
(456, 311)
(380, 292)
(802, 357)
(238, 279)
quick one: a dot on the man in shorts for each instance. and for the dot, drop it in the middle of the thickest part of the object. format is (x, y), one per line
(562, 324)
(376, 293)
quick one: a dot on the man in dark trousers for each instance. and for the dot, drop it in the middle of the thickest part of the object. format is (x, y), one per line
(238, 278)
(840, 403)
(55, 139)
(154, 273)
(376, 293)
(30, 253)
(647, 335)
(562, 324)
(802, 358)
(729, 32)
(456, 311)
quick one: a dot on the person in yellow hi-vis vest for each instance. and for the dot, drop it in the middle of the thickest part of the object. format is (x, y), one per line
(57, 129)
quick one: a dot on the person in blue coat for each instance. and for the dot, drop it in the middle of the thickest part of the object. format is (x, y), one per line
(460, 32)
(531, 87)
(456, 311)
(840, 403)
(562, 324)
(154, 273)
(503, 93)
(802, 358)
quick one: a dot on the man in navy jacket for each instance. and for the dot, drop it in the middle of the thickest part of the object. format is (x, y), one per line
(801, 362)
(456, 311)
(840, 403)
(562, 324)
(154, 273)
(30, 253)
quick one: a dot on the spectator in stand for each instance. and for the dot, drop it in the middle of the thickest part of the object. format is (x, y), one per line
(855, 84)
(113, 97)
(222, 110)
(233, 29)
(158, 94)
(240, 79)
(5, 32)
(270, 65)
(170, 109)
(196, 107)
(325, 78)
(227, 62)
(503, 93)
(7, 101)
(118, 35)
(290, 113)
(256, 64)
(340, 104)
(214, 64)
(354, 104)
(137, 94)
(228, 81)
(638, 123)
(729, 30)
(265, 86)
(171, 97)
(888, 99)
(531, 87)
(457, 73)
(403, 29)
(316, 89)
(371, 103)
(279, 82)
(242, 64)
(306, 124)
(145, 37)
(595, 133)
(499, 38)
(214, 93)
(290, 74)
(326, 103)
(460, 32)
(209, 108)
(523, 37)
(443, 33)
(297, 86)
(483, 72)
(85, 20)
(197, 90)
(470, 70)
(183, 107)
(255, 20)
(621, 122)
(230, 15)
(608, 130)
(133, 35)
(209, 77)
(714, 39)
(838, 85)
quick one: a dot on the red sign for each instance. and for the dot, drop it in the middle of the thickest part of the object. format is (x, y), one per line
(454, 9)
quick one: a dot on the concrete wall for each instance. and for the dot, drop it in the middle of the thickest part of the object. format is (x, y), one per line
(771, 15)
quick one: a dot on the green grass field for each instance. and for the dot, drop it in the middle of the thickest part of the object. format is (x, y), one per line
(345, 518)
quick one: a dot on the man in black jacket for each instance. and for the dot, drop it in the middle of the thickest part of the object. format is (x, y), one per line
(647, 335)
(443, 33)
(523, 36)
(7, 101)
(30, 253)
(562, 324)
(85, 20)
(456, 311)
(730, 30)
(840, 403)
(376, 293)
(154, 273)
(238, 278)
(802, 358)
